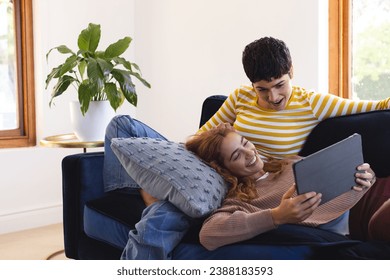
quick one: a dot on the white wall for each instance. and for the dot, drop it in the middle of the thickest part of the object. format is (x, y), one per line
(187, 50)
(190, 49)
(31, 196)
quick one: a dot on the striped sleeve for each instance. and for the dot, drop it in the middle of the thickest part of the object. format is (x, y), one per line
(328, 105)
(279, 134)
(383, 104)
(225, 114)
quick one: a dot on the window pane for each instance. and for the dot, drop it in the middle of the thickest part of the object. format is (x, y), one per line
(8, 75)
(370, 49)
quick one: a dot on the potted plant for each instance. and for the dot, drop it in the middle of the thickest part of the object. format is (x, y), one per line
(96, 75)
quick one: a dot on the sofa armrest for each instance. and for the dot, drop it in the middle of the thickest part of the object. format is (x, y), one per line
(82, 180)
(374, 127)
(210, 106)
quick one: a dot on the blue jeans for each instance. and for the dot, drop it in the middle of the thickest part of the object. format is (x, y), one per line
(162, 225)
(161, 228)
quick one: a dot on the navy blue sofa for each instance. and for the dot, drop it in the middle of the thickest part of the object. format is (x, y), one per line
(96, 224)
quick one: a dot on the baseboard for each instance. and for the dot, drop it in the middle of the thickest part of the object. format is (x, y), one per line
(30, 219)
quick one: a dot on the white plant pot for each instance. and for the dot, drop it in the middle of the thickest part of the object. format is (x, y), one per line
(91, 126)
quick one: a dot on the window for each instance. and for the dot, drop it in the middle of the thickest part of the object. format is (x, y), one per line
(339, 46)
(359, 40)
(17, 104)
(370, 49)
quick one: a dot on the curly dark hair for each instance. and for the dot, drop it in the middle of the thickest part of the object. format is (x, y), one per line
(265, 59)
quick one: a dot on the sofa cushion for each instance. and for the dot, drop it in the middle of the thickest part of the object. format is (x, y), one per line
(238, 251)
(109, 218)
(372, 126)
(168, 171)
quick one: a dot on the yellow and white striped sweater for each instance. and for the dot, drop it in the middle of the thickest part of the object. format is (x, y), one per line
(279, 134)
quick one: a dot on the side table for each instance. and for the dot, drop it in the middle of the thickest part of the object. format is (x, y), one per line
(69, 141)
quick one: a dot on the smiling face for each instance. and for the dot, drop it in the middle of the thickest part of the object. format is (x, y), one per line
(274, 94)
(240, 156)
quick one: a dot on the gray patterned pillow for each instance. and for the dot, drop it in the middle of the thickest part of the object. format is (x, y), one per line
(168, 171)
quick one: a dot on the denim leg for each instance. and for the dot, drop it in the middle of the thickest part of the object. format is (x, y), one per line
(160, 229)
(122, 126)
(162, 225)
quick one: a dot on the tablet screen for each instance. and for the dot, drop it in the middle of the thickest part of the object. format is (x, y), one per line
(330, 171)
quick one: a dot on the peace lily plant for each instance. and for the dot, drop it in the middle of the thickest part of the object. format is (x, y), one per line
(97, 75)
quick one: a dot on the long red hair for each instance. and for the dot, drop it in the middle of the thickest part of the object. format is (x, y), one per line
(207, 146)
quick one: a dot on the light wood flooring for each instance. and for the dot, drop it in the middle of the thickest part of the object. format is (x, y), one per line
(33, 244)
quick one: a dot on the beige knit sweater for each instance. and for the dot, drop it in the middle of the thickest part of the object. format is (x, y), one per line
(237, 221)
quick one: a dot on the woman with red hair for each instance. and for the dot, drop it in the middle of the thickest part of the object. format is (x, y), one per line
(262, 195)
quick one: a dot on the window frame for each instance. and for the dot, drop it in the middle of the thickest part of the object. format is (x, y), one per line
(25, 134)
(340, 57)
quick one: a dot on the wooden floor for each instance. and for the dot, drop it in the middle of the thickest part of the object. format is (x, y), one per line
(34, 244)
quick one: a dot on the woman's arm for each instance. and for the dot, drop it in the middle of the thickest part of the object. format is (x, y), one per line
(230, 225)
(237, 221)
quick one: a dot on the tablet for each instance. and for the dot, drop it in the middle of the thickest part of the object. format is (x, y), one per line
(331, 170)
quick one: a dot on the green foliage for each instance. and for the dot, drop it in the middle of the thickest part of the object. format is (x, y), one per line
(372, 62)
(371, 43)
(97, 75)
(369, 89)
(372, 56)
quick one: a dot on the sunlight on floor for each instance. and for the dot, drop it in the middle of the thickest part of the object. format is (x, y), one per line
(33, 244)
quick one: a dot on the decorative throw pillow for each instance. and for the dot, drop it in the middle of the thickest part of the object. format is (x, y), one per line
(168, 171)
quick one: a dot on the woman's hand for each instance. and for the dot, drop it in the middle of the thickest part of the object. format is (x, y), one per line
(365, 177)
(295, 209)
